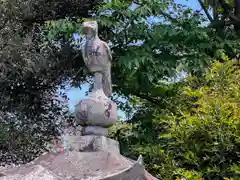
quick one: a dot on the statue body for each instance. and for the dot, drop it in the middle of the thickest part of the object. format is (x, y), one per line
(97, 57)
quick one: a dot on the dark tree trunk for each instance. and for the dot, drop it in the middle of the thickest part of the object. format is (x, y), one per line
(237, 14)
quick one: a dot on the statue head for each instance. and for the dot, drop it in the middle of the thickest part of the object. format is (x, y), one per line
(90, 28)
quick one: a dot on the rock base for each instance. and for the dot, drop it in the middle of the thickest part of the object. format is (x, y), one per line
(95, 130)
(96, 113)
(92, 143)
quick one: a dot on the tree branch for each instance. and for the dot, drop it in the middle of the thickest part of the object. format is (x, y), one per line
(205, 10)
(146, 97)
(143, 96)
(227, 11)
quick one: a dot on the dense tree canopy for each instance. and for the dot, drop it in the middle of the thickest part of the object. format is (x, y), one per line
(31, 74)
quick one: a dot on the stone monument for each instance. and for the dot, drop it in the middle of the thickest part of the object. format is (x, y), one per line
(97, 113)
(90, 155)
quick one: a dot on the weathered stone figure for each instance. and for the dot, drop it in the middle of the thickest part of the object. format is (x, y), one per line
(97, 112)
(97, 57)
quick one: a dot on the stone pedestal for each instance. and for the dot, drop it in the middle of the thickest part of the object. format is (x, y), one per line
(96, 113)
(92, 143)
(95, 130)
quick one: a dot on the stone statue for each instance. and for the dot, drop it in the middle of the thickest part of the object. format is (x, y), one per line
(97, 57)
(97, 112)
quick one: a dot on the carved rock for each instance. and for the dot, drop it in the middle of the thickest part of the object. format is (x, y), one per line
(96, 113)
(92, 144)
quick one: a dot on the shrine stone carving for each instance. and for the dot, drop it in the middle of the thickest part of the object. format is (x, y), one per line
(97, 112)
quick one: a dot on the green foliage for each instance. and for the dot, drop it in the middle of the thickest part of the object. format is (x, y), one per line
(146, 51)
(207, 139)
(31, 72)
(196, 134)
(133, 26)
(62, 29)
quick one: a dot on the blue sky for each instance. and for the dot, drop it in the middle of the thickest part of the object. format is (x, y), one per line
(191, 3)
(76, 94)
